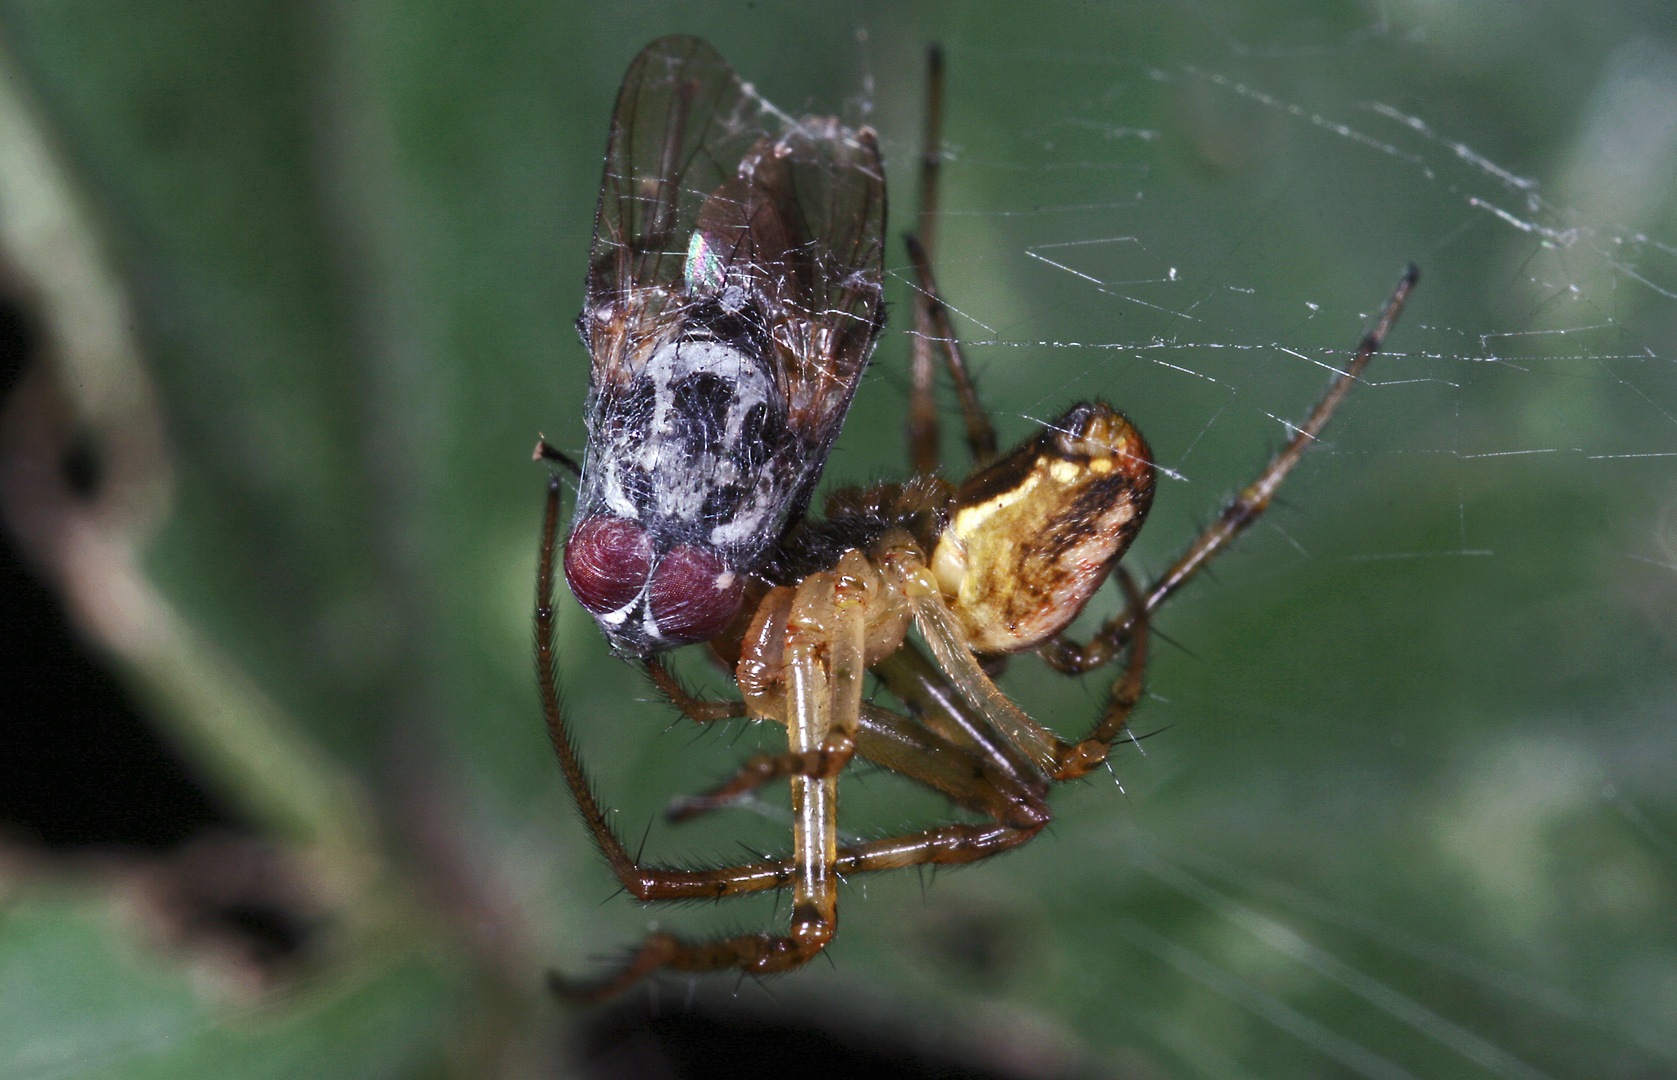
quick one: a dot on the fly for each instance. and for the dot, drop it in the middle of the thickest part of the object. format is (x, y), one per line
(734, 296)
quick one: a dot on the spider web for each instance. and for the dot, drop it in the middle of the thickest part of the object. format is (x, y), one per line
(1406, 806)
(1488, 524)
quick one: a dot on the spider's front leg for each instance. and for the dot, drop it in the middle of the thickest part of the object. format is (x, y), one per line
(1108, 641)
(824, 666)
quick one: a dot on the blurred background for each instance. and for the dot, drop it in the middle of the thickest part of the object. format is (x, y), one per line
(286, 294)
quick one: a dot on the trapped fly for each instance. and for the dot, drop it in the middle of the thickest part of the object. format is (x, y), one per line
(733, 298)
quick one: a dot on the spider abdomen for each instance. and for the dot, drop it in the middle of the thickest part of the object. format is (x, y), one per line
(1032, 537)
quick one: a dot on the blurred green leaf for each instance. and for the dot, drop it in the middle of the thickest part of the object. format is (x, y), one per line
(86, 997)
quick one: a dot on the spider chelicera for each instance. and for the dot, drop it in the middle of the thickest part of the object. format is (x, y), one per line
(733, 299)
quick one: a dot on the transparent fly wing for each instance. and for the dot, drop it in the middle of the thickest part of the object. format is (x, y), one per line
(710, 193)
(796, 237)
(835, 192)
(682, 124)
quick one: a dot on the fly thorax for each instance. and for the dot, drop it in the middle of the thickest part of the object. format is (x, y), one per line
(692, 442)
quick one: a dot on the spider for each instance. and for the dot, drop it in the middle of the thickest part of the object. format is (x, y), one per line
(733, 299)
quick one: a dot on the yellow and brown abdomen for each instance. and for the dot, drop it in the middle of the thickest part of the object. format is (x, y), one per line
(1032, 537)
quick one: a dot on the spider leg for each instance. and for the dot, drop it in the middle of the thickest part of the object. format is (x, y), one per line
(916, 751)
(818, 699)
(1067, 656)
(931, 317)
(931, 146)
(930, 309)
(968, 779)
(827, 760)
(910, 675)
(924, 450)
(947, 845)
(697, 709)
(899, 744)
(1079, 758)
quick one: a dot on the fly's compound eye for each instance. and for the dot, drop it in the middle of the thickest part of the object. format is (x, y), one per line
(693, 594)
(607, 561)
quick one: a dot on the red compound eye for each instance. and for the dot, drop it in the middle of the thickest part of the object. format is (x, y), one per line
(694, 594)
(607, 560)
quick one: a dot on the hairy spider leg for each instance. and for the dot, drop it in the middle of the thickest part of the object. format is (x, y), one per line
(924, 435)
(1079, 758)
(931, 316)
(930, 309)
(1067, 656)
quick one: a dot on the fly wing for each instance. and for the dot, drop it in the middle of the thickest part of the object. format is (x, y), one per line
(682, 124)
(718, 211)
(831, 190)
(796, 240)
